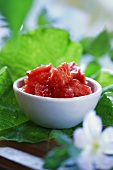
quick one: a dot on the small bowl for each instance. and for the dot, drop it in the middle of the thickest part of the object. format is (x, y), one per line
(58, 113)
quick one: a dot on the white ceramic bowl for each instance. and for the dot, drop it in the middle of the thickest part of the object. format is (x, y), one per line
(57, 113)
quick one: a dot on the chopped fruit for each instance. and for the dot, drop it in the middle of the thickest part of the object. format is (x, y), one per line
(60, 76)
(42, 90)
(65, 81)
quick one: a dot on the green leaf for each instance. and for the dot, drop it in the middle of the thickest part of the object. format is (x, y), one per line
(100, 45)
(104, 108)
(25, 132)
(105, 78)
(5, 80)
(63, 156)
(92, 68)
(107, 89)
(43, 20)
(56, 157)
(42, 46)
(10, 113)
(85, 42)
(73, 53)
(15, 12)
(61, 138)
(111, 54)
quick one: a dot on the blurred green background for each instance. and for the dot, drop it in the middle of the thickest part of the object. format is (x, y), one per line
(88, 22)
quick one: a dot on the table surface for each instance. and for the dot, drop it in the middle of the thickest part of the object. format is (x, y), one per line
(24, 156)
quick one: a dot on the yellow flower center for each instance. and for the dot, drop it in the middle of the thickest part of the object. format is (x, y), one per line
(95, 146)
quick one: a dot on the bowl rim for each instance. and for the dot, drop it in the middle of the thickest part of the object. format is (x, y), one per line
(96, 93)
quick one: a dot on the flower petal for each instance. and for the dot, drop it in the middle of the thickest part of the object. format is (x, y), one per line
(109, 149)
(85, 161)
(92, 125)
(80, 139)
(104, 162)
(107, 140)
(107, 134)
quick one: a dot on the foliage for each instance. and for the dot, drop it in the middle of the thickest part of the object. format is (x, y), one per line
(97, 46)
(104, 108)
(43, 20)
(92, 68)
(45, 46)
(63, 156)
(15, 13)
(104, 77)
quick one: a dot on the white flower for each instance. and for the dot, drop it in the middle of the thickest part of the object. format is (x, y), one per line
(95, 144)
